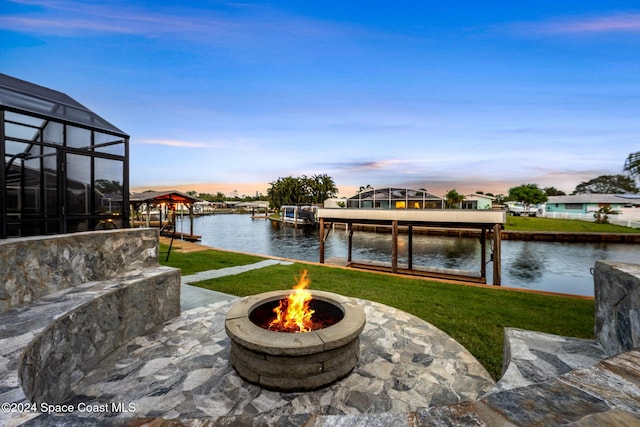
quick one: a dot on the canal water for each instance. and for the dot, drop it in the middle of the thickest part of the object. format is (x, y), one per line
(547, 266)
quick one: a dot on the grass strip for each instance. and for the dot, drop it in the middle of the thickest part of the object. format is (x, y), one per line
(194, 262)
(521, 223)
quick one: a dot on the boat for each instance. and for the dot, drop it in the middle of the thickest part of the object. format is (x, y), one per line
(299, 215)
(521, 209)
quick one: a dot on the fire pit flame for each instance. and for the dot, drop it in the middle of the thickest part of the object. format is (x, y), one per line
(293, 314)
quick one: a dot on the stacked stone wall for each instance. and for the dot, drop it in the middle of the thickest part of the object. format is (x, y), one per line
(617, 297)
(33, 267)
(68, 301)
(77, 341)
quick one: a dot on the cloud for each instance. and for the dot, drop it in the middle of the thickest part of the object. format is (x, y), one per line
(232, 24)
(622, 22)
(173, 143)
(368, 165)
(72, 18)
(614, 22)
(60, 27)
(239, 144)
(378, 164)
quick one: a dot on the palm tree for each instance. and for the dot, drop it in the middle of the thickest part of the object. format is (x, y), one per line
(322, 188)
(453, 199)
(303, 190)
(602, 214)
(632, 164)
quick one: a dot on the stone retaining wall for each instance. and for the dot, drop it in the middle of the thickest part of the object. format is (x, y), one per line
(76, 342)
(617, 297)
(67, 301)
(32, 267)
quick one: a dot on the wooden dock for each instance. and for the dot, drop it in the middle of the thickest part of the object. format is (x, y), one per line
(184, 245)
(182, 236)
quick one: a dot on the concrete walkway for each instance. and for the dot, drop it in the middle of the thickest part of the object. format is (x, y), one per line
(193, 296)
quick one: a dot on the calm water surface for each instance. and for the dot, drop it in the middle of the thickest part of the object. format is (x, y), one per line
(556, 267)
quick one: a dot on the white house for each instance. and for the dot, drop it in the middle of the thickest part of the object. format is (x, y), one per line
(589, 203)
(583, 206)
(477, 201)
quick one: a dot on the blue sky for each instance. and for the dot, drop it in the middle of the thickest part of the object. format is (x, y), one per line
(223, 96)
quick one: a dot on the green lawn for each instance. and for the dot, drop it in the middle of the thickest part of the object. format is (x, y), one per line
(522, 223)
(193, 262)
(474, 316)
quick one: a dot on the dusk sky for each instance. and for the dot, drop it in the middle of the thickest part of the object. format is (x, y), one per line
(465, 95)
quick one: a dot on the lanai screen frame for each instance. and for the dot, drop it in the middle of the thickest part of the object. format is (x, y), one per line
(389, 197)
(64, 169)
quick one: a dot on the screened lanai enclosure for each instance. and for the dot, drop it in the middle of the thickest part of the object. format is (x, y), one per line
(65, 168)
(395, 198)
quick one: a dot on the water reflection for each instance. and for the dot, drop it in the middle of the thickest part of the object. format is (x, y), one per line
(556, 267)
(459, 252)
(528, 265)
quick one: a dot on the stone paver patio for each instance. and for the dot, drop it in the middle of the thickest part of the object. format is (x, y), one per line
(183, 372)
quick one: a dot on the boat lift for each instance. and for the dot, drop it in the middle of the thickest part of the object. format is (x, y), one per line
(489, 223)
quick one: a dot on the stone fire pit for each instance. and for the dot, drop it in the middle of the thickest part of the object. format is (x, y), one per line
(289, 361)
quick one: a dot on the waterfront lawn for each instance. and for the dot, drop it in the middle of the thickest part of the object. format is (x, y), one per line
(523, 223)
(194, 262)
(473, 316)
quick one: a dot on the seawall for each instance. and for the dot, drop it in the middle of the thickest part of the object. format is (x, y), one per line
(540, 236)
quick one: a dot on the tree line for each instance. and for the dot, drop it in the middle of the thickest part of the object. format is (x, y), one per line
(221, 197)
(302, 190)
(289, 190)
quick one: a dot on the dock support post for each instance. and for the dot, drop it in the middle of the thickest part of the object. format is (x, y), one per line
(394, 246)
(321, 240)
(190, 207)
(350, 231)
(410, 248)
(496, 254)
(483, 255)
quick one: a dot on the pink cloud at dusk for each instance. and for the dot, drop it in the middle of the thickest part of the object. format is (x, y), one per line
(619, 22)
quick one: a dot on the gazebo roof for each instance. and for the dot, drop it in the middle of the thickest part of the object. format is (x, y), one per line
(172, 196)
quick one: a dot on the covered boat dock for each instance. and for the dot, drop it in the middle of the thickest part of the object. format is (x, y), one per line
(165, 201)
(489, 223)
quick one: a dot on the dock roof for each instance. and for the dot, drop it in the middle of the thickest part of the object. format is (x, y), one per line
(456, 218)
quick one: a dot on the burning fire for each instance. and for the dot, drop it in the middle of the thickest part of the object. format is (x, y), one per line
(293, 313)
